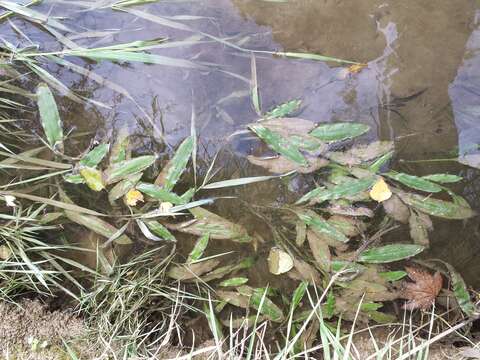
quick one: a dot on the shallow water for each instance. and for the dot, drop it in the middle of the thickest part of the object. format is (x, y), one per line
(420, 88)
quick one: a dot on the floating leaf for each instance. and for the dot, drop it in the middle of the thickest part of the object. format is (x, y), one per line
(97, 225)
(279, 144)
(159, 193)
(420, 225)
(218, 227)
(390, 253)
(435, 207)
(443, 178)
(132, 197)
(192, 271)
(120, 170)
(343, 190)
(422, 292)
(339, 131)
(199, 248)
(93, 178)
(380, 191)
(123, 187)
(280, 164)
(159, 230)
(51, 122)
(350, 210)
(240, 181)
(279, 261)
(321, 226)
(320, 250)
(284, 109)
(172, 172)
(95, 156)
(392, 275)
(396, 209)
(460, 291)
(236, 281)
(414, 182)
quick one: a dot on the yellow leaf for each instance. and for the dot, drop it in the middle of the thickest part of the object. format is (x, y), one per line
(380, 191)
(132, 197)
(93, 178)
(356, 68)
(165, 206)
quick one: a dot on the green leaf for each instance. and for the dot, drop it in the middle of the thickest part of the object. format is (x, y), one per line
(321, 226)
(284, 109)
(435, 207)
(443, 178)
(390, 253)
(241, 181)
(414, 182)
(95, 156)
(74, 179)
(329, 306)
(392, 275)
(236, 281)
(123, 169)
(298, 295)
(382, 160)
(347, 266)
(199, 248)
(264, 305)
(160, 230)
(279, 144)
(339, 131)
(159, 193)
(345, 189)
(176, 166)
(460, 291)
(93, 178)
(123, 187)
(50, 117)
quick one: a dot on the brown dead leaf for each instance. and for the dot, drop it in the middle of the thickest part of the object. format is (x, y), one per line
(349, 210)
(306, 271)
(420, 293)
(320, 250)
(396, 209)
(361, 153)
(420, 225)
(280, 164)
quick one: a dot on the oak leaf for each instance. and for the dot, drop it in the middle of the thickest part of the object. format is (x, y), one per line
(421, 293)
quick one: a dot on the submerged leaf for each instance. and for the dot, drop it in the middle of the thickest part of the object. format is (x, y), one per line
(51, 122)
(218, 227)
(93, 178)
(321, 226)
(460, 291)
(98, 226)
(390, 253)
(443, 178)
(420, 225)
(339, 131)
(123, 187)
(320, 250)
(199, 248)
(279, 144)
(361, 153)
(380, 191)
(279, 261)
(284, 109)
(172, 172)
(120, 170)
(414, 182)
(422, 292)
(192, 271)
(280, 164)
(435, 207)
(343, 190)
(396, 209)
(95, 156)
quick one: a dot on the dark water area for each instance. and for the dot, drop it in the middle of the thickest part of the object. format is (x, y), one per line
(421, 89)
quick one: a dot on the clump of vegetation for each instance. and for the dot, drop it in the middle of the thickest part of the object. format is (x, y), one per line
(331, 244)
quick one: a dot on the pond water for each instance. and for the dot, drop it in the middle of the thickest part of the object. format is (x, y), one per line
(420, 89)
